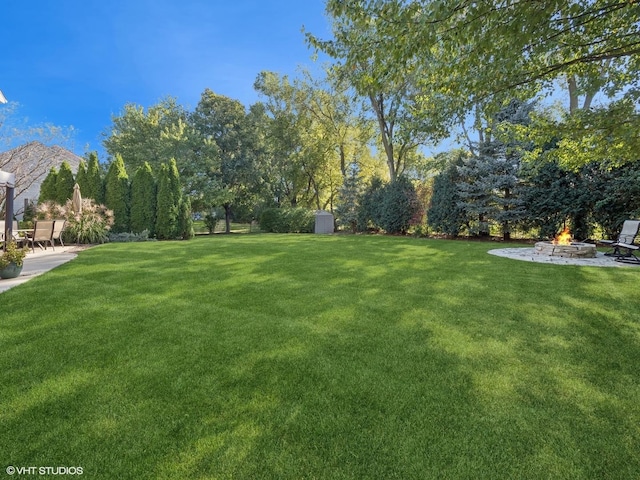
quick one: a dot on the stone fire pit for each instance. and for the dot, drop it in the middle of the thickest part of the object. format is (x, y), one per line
(573, 250)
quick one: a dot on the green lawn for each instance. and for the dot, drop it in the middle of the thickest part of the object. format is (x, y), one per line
(321, 357)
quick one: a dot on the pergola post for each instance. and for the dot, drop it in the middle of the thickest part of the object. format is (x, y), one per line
(8, 181)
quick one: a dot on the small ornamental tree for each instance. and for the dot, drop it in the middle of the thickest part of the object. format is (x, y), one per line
(94, 185)
(117, 194)
(143, 200)
(64, 184)
(48, 187)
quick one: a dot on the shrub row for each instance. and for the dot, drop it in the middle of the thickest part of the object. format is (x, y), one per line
(287, 220)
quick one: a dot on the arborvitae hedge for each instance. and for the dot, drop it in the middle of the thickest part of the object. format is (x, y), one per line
(117, 194)
(168, 203)
(185, 223)
(94, 186)
(48, 187)
(81, 177)
(287, 220)
(64, 184)
(143, 200)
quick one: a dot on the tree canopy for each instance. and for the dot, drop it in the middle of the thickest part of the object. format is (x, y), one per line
(466, 55)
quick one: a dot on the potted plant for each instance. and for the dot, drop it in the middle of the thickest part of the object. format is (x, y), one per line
(11, 260)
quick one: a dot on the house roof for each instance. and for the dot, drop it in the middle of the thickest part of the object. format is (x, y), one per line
(31, 163)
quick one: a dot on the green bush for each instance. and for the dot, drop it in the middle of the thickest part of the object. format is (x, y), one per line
(211, 220)
(400, 207)
(287, 220)
(369, 212)
(130, 237)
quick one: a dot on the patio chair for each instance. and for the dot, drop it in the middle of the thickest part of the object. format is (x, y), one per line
(624, 246)
(58, 227)
(14, 232)
(42, 233)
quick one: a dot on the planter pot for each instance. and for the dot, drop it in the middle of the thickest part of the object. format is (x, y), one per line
(11, 271)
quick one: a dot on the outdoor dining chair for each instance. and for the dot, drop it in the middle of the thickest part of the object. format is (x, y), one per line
(58, 227)
(42, 233)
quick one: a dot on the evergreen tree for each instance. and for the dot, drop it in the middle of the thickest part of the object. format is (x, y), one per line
(555, 198)
(174, 179)
(490, 184)
(400, 206)
(347, 209)
(619, 198)
(64, 184)
(167, 205)
(48, 187)
(444, 214)
(95, 187)
(117, 194)
(475, 194)
(143, 200)
(81, 177)
(185, 222)
(370, 205)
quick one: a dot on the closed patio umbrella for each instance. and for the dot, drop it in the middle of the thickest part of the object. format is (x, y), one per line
(76, 201)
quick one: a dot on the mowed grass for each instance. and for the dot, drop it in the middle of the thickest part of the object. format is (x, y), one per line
(321, 357)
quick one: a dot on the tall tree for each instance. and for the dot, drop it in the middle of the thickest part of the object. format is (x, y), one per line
(445, 213)
(386, 81)
(347, 210)
(117, 194)
(185, 222)
(342, 133)
(490, 184)
(469, 53)
(81, 176)
(288, 162)
(153, 135)
(224, 121)
(143, 200)
(94, 187)
(48, 187)
(64, 184)
(168, 204)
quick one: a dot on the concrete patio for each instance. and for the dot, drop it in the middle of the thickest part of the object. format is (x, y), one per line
(39, 262)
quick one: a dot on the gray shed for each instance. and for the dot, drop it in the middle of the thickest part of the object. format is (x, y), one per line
(324, 222)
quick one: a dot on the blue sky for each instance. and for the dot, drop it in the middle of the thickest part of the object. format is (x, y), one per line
(78, 62)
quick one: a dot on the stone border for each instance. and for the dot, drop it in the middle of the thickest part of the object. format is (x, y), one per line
(529, 255)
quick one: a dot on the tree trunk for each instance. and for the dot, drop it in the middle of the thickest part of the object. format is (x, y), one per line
(343, 162)
(573, 94)
(386, 133)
